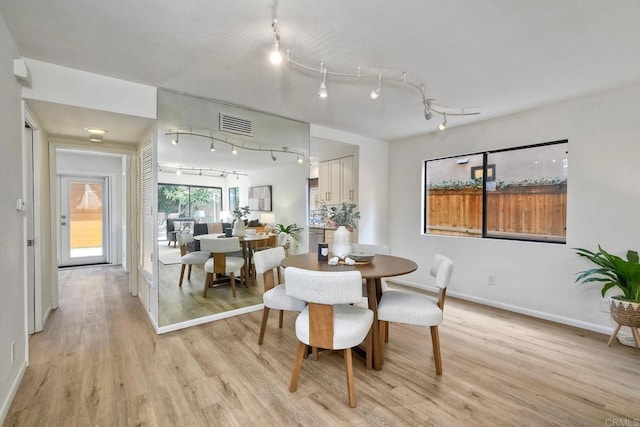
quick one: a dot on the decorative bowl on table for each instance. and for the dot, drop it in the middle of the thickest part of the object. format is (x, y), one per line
(362, 257)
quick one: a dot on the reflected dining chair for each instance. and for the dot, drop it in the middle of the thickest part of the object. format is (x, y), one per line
(221, 263)
(267, 263)
(328, 321)
(416, 309)
(188, 257)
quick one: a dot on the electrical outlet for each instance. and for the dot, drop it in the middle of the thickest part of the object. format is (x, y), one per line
(492, 280)
(604, 305)
(13, 351)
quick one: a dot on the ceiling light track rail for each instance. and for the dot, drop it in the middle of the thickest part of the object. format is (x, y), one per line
(430, 106)
(234, 145)
(200, 171)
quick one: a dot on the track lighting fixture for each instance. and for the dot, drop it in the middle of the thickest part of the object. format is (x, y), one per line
(443, 125)
(234, 145)
(322, 92)
(276, 56)
(376, 92)
(428, 115)
(430, 107)
(175, 141)
(179, 170)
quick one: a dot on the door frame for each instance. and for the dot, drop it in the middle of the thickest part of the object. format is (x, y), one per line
(108, 216)
(35, 319)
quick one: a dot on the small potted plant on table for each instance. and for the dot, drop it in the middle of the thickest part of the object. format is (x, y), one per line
(615, 272)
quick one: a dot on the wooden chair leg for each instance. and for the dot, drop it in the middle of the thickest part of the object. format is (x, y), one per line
(435, 341)
(181, 274)
(297, 364)
(207, 282)
(280, 320)
(348, 363)
(314, 353)
(383, 327)
(233, 284)
(368, 344)
(386, 333)
(263, 325)
(189, 273)
(615, 334)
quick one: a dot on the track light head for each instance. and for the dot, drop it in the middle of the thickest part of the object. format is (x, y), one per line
(273, 157)
(178, 172)
(299, 159)
(175, 141)
(322, 92)
(443, 125)
(212, 147)
(428, 114)
(233, 149)
(276, 56)
(376, 92)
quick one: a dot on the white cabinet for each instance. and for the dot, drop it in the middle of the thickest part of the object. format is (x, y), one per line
(335, 181)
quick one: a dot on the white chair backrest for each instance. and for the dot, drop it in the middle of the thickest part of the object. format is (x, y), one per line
(371, 249)
(324, 287)
(268, 259)
(220, 245)
(442, 269)
(184, 238)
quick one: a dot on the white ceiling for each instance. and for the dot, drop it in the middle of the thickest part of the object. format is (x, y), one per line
(500, 56)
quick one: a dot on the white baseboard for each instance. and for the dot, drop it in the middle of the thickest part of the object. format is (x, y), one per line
(516, 309)
(12, 393)
(207, 319)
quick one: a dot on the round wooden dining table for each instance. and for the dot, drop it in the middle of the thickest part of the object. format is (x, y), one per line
(381, 266)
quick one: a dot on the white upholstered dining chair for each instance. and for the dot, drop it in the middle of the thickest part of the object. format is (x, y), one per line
(328, 321)
(220, 262)
(267, 263)
(416, 309)
(188, 257)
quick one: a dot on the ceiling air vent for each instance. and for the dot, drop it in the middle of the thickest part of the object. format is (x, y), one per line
(235, 124)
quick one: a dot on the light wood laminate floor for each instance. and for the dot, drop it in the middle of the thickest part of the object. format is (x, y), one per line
(98, 362)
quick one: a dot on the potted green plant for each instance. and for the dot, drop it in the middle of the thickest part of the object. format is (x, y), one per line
(291, 233)
(345, 217)
(613, 271)
(240, 214)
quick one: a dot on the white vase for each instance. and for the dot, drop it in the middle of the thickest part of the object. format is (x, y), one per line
(238, 228)
(341, 242)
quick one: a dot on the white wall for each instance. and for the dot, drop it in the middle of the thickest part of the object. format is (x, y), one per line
(13, 326)
(69, 86)
(373, 182)
(603, 206)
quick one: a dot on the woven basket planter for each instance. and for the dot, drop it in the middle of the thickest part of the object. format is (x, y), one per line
(625, 313)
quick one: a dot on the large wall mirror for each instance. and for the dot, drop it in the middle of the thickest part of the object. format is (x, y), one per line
(209, 154)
